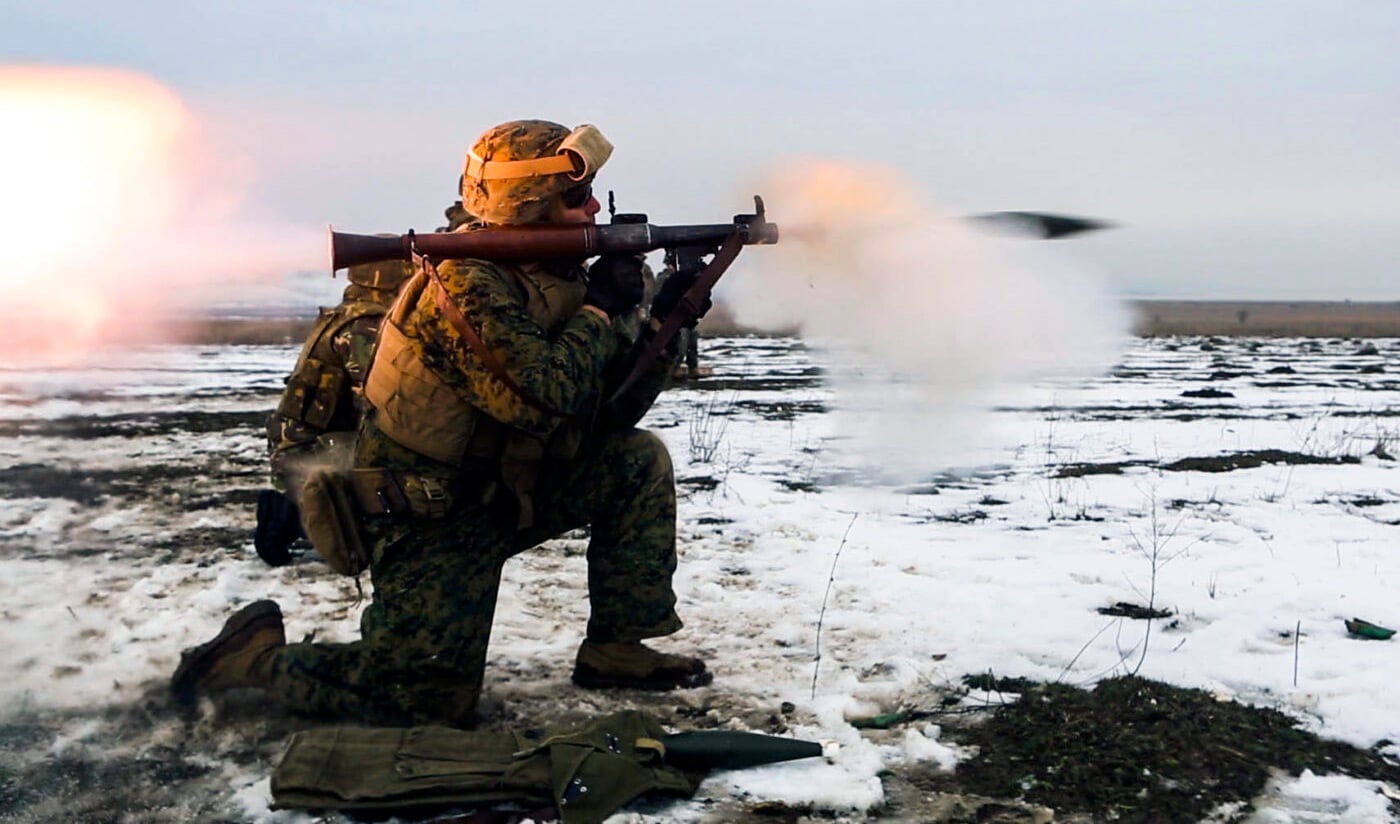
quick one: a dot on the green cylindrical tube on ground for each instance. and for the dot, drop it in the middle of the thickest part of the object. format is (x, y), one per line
(732, 750)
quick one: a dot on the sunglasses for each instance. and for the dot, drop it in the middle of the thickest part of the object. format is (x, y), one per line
(575, 197)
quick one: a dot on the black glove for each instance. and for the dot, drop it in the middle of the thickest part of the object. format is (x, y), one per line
(615, 284)
(670, 295)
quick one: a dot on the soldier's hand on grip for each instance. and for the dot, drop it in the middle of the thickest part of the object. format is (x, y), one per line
(615, 283)
(670, 295)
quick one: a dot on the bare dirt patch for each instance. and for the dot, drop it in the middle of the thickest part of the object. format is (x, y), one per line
(84, 427)
(1139, 750)
(1215, 463)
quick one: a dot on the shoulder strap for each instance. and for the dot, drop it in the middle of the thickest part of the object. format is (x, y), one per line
(454, 316)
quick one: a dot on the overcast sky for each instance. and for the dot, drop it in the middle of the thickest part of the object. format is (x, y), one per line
(1247, 149)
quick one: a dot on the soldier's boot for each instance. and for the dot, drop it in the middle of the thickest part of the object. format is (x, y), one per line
(241, 655)
(634, 665)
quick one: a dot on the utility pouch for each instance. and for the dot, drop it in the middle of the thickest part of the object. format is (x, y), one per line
(330, 516)
(312, 393)
(399, 494)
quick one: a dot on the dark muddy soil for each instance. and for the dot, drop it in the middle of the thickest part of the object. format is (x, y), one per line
(1123, 609)
(136, 424)
(89, 486)
(1207, 393)
(1131, 750)
(1214, 463)
(143, 762)
(1135, 750)
(174, 490)
(782, 410)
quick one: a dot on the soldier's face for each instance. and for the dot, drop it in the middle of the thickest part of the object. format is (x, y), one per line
(576, 205)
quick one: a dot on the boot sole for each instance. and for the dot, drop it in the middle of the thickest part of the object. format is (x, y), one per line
(591, 679)
(195, 661)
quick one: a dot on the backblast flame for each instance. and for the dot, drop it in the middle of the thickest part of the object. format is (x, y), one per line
(113, 203)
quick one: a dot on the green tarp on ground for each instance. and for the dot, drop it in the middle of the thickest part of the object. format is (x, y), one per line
(587, 773)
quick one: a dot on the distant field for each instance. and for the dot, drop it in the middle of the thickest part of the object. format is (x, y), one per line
(1154, 318)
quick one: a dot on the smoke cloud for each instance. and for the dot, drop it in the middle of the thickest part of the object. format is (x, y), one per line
(924, 318)
(119, 212)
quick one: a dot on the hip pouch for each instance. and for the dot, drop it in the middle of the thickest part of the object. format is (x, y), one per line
(330, 516)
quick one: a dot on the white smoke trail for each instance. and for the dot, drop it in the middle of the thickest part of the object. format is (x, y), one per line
(923, 319)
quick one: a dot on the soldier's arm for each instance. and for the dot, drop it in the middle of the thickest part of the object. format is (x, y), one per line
(290, 434)
(628, 409)
(564, 374)
(354, 343)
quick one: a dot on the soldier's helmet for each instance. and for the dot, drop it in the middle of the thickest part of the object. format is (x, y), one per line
(456, 216)
(514, 171)
(386, 276)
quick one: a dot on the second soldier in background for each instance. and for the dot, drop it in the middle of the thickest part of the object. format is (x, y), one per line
(315, 421)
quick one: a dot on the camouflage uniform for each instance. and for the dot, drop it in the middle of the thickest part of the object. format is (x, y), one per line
(322, 404)
(515, 473)
(457, 217)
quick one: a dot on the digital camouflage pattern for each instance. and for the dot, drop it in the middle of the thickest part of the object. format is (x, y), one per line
(457, 217)
(324, 391)
(528, 316)
(514, 201)
(422, 650)
(322, 394)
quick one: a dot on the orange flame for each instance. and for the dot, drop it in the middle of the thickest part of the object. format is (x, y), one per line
(112, 194)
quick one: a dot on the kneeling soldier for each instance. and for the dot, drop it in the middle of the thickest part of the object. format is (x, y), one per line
(486, 434)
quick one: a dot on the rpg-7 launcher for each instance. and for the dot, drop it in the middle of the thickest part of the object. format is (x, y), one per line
(626, 233)
(686, 248)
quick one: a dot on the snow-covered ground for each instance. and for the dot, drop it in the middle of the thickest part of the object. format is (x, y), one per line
(126, 489)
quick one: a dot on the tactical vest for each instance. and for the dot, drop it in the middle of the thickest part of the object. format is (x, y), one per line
(416, 408)
(320, 393)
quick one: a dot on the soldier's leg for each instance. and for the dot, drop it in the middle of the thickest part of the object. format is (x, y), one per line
(278, 516)
(692, 352)
(422, 650)
(278, 527)
(624, 487)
